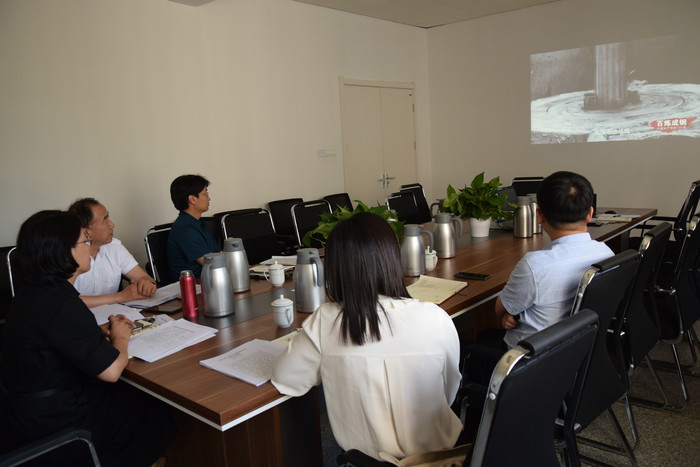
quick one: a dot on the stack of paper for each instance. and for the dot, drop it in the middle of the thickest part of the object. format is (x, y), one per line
(103, 312)
(434, 289)
(162, 295)
(251, 362)
(168, 338)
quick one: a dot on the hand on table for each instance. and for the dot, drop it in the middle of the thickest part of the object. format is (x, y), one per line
(131, 292)
(145, 286)
(119, 326)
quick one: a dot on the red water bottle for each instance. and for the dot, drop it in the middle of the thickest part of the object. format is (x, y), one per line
(188, 293)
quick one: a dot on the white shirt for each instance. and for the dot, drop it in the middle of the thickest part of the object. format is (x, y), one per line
(106, 270)
(393, 395)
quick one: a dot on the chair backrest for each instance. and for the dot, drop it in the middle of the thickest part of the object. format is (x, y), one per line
(281, 213)
(6, 281)
(306, 217)
(687, 279)
(156, 242)
(423, 215)
(642, 329)
(678, 285)
(339, 200)
(526, 392)
(214, 224)
(605, 288)
(404, 204)
(526, 185)
(688, 210)
(254, 228)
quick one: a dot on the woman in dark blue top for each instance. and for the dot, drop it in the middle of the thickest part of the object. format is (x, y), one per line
(59, 368)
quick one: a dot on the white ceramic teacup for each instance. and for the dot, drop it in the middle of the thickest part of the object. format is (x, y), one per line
(275, 274)
(283, 311)
(431, 259)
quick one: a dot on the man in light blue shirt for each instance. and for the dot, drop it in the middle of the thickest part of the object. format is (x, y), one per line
(541, 288)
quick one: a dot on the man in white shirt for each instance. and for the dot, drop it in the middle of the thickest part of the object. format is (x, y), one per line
(109, 260)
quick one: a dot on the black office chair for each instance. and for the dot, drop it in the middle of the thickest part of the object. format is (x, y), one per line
(6, 284)
(339, 200)
(67, 447)
(605, 288)
(214, 224)
(254, 227)
(423, 215)
(545, 370)
(678, 299)
(525, 185)
(156, 242)
(403, 203)
(641, 328)
(680, 223)
(306, 217)
(281, 212)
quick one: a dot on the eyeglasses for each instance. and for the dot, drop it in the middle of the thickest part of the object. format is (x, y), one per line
(87, 241)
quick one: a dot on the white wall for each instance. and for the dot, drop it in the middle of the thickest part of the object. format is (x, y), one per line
(115, 98)
(480, 100)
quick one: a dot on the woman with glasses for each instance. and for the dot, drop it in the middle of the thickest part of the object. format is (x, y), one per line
(59, 369)
(389, 364)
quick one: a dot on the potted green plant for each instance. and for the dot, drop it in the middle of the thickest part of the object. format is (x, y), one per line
(479, 202)
(329, 220)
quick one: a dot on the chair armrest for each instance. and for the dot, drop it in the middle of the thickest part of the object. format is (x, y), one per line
(50, 443)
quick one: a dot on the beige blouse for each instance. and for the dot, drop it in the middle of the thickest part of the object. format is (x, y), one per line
(393, 395)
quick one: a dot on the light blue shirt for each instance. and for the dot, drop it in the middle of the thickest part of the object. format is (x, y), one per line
(542, 286)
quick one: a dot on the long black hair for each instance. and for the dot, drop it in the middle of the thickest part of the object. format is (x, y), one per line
(44, 247)
(362, 261)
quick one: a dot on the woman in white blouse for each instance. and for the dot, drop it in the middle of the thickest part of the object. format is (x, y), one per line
(389, 364)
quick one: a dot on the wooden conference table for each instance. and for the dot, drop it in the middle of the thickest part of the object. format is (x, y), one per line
(223, 421)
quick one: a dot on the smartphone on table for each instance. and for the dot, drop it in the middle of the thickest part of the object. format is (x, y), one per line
(472, 275)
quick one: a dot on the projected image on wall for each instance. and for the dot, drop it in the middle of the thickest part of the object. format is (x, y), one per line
(621, 91)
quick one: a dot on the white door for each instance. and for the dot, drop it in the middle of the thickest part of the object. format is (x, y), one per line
(379, 151)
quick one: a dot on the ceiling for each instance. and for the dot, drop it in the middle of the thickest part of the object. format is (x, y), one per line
(426, 13)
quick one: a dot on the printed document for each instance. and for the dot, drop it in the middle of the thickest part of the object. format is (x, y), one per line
(168, 338)
(251, 362)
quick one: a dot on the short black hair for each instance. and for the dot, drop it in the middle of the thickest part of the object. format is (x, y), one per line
(83, 209)
(565, 198)
(362, 261)
(185, 186)
(44, 247)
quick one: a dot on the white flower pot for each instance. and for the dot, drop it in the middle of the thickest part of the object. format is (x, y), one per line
(479, 228)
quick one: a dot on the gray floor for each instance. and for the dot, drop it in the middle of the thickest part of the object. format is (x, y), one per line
(666, 438)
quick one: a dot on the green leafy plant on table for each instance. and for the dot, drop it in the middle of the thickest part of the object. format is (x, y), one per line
(479, 200)
(330, 220)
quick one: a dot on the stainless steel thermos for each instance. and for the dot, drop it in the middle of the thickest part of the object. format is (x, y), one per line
(445, 234)
(309, 283)
(237, 264)
(536, 226)
(522, 218)
(217, 290)
(413, 249)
